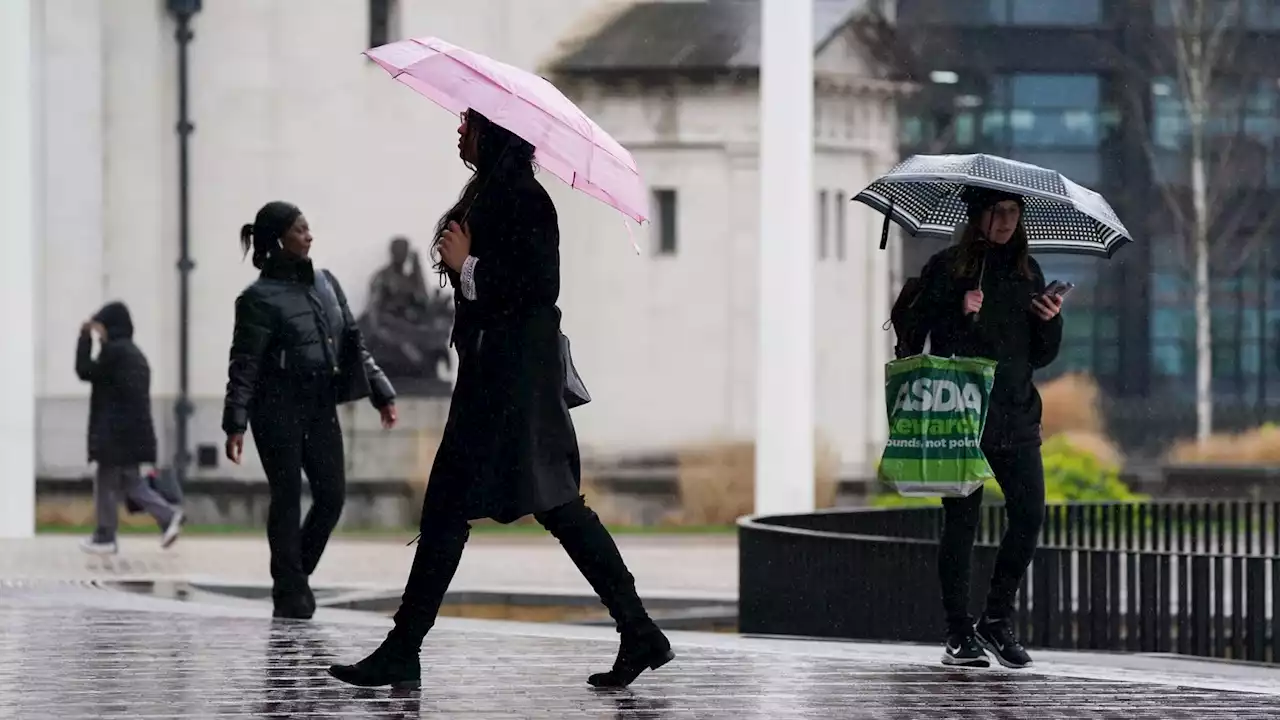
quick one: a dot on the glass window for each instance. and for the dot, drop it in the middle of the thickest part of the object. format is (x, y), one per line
(911, 131)
(1169, 132)
(1055, 128)
(1055, 91)
(1172, 359)
(1081, 270)
(1171, 168)
(1091, 327)
(1164, 11)
(995, 125)
(1084, 167)
(1002, 12)
(665, 200)
(384, 22)
(1262, 14)
(841, 235)
(823, 232)
(958, 12)
(1056, 12)
(1251, 110)
(965, 126)
(1244, 325)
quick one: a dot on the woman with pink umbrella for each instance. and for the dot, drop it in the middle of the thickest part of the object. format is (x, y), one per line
(509, 447)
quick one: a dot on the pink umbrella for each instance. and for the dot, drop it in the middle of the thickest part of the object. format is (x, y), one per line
(568, 143)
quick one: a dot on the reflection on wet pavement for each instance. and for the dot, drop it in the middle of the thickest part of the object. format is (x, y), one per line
(81, 661)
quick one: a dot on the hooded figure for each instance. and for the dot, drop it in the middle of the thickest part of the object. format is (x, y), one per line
(121, 431)
(122, 436)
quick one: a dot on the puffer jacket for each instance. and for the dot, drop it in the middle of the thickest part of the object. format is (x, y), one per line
(287, 327)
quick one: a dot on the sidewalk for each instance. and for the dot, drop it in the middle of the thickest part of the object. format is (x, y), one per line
(71, 651)
(688, 566)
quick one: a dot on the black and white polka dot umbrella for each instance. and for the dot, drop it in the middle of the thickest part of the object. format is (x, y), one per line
(922, 195)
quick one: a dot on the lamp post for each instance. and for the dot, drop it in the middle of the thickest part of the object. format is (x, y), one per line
(17, 273)
(183, 11)
(784, 398)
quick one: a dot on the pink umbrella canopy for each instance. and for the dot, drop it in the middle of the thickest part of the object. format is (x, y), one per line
(568, 143)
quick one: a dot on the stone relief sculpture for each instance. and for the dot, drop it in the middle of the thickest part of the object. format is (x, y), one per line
(406, 327)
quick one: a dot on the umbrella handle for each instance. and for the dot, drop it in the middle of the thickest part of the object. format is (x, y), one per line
(982, 273)
(884, 229)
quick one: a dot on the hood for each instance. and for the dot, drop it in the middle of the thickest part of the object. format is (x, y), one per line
(116, 319)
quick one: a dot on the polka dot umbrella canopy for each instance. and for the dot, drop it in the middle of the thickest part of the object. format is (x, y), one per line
(922, 195)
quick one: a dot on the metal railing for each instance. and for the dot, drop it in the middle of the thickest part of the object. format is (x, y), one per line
(1195, 578)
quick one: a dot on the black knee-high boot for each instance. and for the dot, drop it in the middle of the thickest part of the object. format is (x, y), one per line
(396, 661)
(596, 555)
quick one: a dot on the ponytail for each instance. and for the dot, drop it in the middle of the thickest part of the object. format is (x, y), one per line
(246, 238)
(262, 236)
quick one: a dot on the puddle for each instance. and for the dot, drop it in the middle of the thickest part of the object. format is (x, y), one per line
(674, 613)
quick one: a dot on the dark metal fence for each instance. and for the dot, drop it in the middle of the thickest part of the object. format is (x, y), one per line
(1195, 578)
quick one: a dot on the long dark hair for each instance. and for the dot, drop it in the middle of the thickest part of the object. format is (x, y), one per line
(974, 243)
(501, 158)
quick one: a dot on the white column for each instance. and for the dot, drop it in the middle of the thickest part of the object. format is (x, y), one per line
(784, 405)
(17, 271)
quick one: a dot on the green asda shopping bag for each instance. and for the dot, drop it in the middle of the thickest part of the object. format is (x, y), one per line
(937, 409)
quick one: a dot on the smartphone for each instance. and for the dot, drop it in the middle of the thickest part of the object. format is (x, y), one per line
(1061, 288)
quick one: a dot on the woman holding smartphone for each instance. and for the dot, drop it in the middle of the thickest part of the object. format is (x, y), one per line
(986, 297)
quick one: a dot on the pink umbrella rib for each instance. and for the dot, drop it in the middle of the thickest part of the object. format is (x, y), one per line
(515, 93)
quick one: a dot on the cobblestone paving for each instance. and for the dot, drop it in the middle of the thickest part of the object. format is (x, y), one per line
(70, 652)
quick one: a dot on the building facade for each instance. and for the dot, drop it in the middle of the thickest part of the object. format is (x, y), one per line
(684, 98)
(284, 107)
(1090, 88)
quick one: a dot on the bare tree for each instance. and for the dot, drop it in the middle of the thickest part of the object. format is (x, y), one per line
(1215, 213)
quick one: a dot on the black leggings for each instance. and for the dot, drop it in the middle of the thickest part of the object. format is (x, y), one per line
(580, 532)
(1020, 473)
(296, 430)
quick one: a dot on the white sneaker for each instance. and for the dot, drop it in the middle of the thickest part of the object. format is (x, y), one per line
(99, 548)
(171, 532)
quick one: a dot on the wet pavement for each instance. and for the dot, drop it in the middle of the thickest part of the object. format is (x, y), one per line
(688, 565)
(74, 650)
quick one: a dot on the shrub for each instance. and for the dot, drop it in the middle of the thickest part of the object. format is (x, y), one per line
(1078, 466)
(1260, 446)
(1076, 472)
(1071, 404)
(717, 481)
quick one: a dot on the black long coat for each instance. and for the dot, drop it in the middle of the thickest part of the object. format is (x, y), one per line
(121, 431)
(509, 448)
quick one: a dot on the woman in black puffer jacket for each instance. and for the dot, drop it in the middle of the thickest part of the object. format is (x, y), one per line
(296, 355)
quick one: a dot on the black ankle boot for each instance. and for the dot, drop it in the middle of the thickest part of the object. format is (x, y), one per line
(394, 663)
(294, 605)
(640, 651)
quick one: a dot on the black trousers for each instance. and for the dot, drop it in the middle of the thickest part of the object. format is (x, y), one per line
(296, 430)
(576, 526)
(1020, 473)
